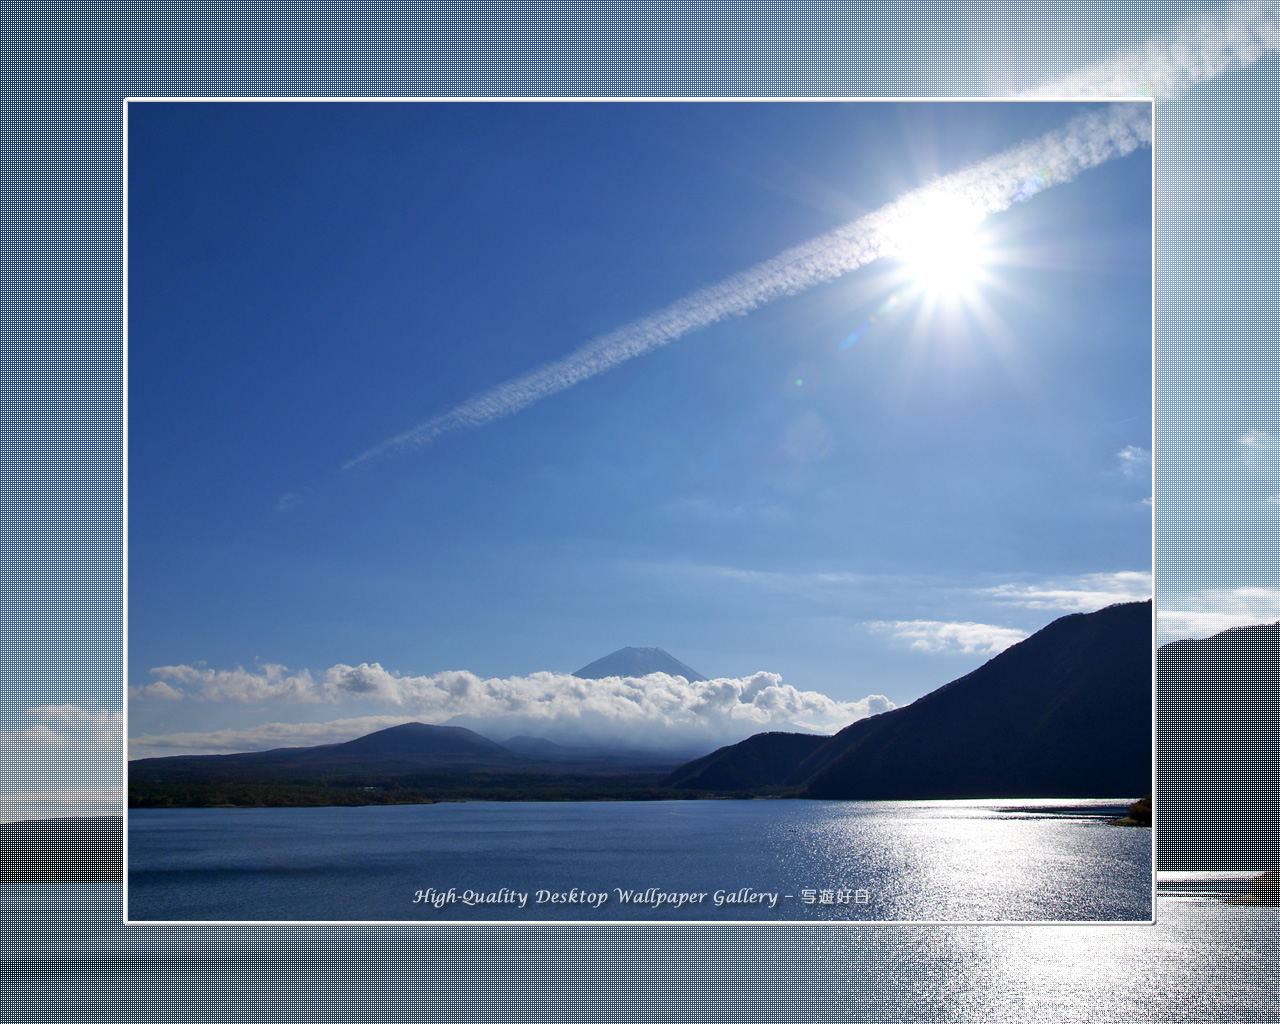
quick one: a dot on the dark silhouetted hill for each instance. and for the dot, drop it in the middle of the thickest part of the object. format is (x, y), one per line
(62, 850)
(413, 744)
(409, 747)
(760, 762)
(1066, 712)
(411, 763)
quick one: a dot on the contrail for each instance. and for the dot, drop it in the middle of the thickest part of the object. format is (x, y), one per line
(1192, 52)
(994, 184)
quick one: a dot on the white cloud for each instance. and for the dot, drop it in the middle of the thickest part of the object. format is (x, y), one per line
(270, 682)
(60, 743)
(1259, 441)
(967, 637)
(1135, 462)
(1205, 612)
(1258, 449)
(34, 736)
(65, 725)
(663, 706)
(1085, 593)
(159, 690)
(74, 716)
(656, 710)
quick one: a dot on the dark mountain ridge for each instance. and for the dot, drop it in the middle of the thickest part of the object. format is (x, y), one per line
(62, 850)
(410, 763)
(760, 762)
(1066, 712)
(1219, 741)
(411, 743)
(412, 746)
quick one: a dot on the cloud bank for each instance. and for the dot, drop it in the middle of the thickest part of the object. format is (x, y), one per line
(46, 752)
(269, 682)
(964, 637)
(64, 725)
(1204, 612)
(1085, 593)
(656, 710)
(994, 184)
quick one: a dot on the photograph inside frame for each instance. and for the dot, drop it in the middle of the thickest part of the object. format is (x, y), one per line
(440, 412)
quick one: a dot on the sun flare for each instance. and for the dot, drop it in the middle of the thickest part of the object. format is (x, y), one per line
(941, 247)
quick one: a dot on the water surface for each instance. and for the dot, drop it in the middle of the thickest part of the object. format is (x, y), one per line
(67, 957)
(707, 861)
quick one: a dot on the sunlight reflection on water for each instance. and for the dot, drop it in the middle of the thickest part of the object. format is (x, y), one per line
(912, 860)
(976, 861)
(1200, 962)
(67, 957)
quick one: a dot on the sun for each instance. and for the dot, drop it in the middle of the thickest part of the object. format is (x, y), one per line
(941, 247)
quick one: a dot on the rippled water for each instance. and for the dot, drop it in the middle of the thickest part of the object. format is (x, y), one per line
(709, 861)
(1212, 885)
(67, 957)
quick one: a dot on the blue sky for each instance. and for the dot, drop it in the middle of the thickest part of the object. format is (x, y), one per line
(1212, 68)
(860, 508)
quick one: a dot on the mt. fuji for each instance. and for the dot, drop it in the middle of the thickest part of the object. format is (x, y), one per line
(634, 662)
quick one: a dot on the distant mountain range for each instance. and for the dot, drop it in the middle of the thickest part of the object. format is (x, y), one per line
(1066, 712)
(410, 763)
(414, 747)
(637, 662)
(416, 761)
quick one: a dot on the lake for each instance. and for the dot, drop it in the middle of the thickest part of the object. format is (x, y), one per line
(67, 958)
(713, 861)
